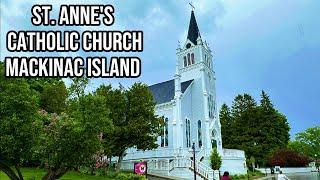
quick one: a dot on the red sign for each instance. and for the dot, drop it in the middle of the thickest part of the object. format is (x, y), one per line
(140, 168)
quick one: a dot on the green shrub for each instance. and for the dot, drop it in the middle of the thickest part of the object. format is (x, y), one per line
(101, 172)
(129, 176)
(215, 159)
(85, 170)
(245, 176)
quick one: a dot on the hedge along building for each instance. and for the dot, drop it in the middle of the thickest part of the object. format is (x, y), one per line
(188, 105)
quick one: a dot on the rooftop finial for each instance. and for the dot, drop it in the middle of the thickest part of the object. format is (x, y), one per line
(192, 6)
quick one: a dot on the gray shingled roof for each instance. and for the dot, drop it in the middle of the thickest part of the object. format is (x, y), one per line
(164, 92)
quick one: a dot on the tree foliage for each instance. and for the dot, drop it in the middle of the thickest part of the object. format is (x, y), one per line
(65, 129)
(52, 93)
(256, 129)
(226, 122)
(215, 159)
(307, 143)
(71, 140)
(287, 158)
(18, 123)
(53, 98)
(133, 115)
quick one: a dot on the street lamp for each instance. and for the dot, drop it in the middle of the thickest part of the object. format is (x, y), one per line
(194, 160)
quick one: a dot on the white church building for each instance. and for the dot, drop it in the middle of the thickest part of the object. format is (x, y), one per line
(188, 104)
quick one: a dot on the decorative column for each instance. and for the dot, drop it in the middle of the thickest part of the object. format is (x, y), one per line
(177, 122)
(207, 140)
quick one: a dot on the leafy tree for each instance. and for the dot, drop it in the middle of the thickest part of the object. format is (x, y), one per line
(133, 115)
(53, 98)
(18, 123)
(38, 84)
(215, 159)
(287, 158)
(226, 126)
(273, 128)
(52, 93)
(308, 142)
(115, 101)
(78, 87)
(72, 140)
(251, 161)
(300, 147)
(259, 130)
(244, 112)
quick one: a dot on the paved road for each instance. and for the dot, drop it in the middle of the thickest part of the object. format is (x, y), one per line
(304, 176)
(298, 176)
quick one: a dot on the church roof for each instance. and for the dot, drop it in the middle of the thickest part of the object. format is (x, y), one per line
(164, 92)
(193, 32)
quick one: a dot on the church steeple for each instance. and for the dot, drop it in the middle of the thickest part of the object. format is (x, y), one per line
(193, 32)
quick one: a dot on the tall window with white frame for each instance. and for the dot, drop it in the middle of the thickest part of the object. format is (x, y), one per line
(192, 58)
(211, 106)
(199, 134)
(188, 128)
(164, 134)
(185, 63)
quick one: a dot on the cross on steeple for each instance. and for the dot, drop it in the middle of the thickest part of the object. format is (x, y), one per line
(192, 6)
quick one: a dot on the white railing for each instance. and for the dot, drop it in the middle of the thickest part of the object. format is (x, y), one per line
(181, 159)
(133, 154)
(179, 163)
(233, 153)
(201, 169)
(202, 153)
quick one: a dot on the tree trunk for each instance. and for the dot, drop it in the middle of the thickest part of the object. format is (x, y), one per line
(61, 172)
(54, 174)
(19, 172)
(92, 169)
(49, 175)
(119, 162)
(8, 171)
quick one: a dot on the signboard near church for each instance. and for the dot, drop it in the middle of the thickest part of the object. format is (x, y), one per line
(141, 168)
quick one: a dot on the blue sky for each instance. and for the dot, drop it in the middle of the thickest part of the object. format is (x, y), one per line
(257, 45)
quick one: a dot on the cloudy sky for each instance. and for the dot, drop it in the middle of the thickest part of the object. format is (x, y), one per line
(257, 45)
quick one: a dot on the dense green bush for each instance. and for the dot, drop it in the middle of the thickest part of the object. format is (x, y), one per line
(129, 176)
(215, 159)
(251, 175)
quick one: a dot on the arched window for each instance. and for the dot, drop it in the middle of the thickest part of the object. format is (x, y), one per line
(211, 105)
(213, 140)
(214, 143)
(164, 133)
(189, 60)
(188, 133)
(199, 134)
(192, 58)
(185, 61)
(205, 58)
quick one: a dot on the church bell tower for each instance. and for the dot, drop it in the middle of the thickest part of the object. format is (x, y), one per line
(194, 63)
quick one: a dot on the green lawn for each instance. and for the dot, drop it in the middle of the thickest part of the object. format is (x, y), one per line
(35, 174)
